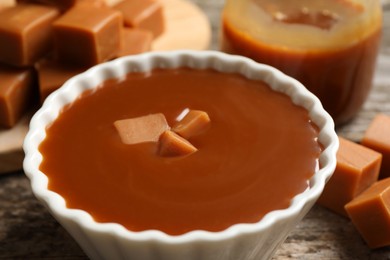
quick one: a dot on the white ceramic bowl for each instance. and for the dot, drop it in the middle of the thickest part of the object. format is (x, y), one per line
(241, 241)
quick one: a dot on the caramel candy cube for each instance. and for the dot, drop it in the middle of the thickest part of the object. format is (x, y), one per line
(87, 35)
(377, 137)
(141, 129)
(357, 169)
(171, 144)
(142, 14)
(17, 92)
(193, 123)
(135, 41)
(370, 213)
(52, 75)
(25, 33)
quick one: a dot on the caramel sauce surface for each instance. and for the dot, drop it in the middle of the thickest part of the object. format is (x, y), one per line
(258, 153)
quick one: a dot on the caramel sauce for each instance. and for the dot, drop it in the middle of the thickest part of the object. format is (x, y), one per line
(258, 153)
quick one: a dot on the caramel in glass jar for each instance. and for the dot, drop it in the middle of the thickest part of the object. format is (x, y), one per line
(330, 46)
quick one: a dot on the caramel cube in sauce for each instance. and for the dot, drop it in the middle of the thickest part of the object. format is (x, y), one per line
(377, 137)
(370, 213)
(192, 124)
(357, 169)
(171, 144)
(52, 75)
(143, 14)
(25, 33)
(17, 92)
(87, 35)
(135, 41)
(141, 129)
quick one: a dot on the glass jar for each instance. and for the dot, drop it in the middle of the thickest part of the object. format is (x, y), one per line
(328, 45)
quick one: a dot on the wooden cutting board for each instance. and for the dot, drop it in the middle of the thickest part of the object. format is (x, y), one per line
(187, 27)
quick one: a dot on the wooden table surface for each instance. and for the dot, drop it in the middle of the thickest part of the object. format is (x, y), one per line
(27, 230)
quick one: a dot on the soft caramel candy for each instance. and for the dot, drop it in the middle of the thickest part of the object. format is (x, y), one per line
(171, 144)
(17, 92)
(370, 213)
(52, 75)
(135, 41)
(141, 129)
(143, 14)
(357, 168)
(87, 35)
(25, 33)
(377, 137)
(193, 123)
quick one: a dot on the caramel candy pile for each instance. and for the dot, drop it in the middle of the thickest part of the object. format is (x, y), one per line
(154, 128)
(45, 42)
(360, 186)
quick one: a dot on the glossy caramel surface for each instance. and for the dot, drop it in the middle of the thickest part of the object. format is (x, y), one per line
(258, 153)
